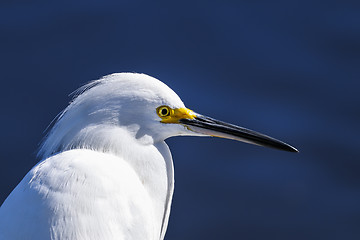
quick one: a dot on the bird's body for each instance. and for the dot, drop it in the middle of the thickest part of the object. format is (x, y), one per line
(106, 172)
(85, 194)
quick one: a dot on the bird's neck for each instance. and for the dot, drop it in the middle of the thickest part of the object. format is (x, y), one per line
(151, 161)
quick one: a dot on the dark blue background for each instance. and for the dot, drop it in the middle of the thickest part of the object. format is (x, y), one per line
(289, 69)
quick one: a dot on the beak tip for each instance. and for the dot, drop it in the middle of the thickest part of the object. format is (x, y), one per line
(291, 149)
(295, 150)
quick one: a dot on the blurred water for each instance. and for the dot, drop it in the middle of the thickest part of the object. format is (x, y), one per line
(290, 70)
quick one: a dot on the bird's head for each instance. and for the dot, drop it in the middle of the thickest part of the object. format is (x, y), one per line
(136, 107)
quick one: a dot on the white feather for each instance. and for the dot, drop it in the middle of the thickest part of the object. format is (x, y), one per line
(106, 171)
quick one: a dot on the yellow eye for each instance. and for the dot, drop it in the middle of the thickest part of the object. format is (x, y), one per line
(163, 111)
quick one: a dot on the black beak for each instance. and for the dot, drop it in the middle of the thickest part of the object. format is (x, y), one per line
(212, 127)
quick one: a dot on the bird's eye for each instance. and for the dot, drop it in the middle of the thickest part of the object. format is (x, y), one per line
(163, 111)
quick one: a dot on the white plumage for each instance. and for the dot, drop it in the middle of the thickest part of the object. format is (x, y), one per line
(106, 172)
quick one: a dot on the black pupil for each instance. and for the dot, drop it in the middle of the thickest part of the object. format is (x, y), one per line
(164, 111)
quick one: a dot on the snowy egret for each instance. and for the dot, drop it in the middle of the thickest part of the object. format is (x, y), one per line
(106, 172)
